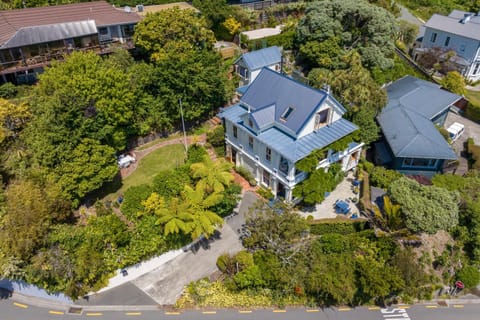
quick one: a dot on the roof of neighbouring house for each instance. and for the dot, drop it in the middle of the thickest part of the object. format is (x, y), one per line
(455, 23)
(103, 13)
(258, 59)
(406, 120)
(276, 93)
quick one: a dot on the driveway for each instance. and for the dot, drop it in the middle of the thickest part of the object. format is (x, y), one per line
(165, 284)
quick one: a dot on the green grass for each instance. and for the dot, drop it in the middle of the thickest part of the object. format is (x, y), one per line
(164, 158)
(473, 97)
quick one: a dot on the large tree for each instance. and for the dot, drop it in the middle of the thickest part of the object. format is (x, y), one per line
(351, 24)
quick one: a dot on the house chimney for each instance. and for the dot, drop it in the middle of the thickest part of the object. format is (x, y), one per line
(466, 18)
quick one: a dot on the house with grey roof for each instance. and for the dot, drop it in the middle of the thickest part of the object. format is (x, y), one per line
(249, 64)
(31, 38)
(279, 121)
(458, 32)
(409, 122)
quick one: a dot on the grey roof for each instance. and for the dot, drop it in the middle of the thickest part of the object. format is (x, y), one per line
(52, 32)
(289, 147)
(420, 96)
(406, 120)
(453, 24)
(264, 116)
(258, 59)
(271, 88)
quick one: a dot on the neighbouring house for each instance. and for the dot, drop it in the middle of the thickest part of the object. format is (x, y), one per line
(279, 121)
(458, 32)
(31, 38)
(249, 64)
(415, 110)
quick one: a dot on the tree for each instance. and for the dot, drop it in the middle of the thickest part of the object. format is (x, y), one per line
(357, 25)
(426, 209)
(278, 233)
(454, 82)
(214, 11)
(313, 189)
(13, 118)
(407, 32)
(164, 34)
(212, 176)
(86, 168)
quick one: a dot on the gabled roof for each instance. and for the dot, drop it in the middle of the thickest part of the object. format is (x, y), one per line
(420, 96)
(270, 88)
(258, 59)
(406, 120)
(453, 24)
(103, 13)
(287, 146)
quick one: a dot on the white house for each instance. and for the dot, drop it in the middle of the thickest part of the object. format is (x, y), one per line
(460, 32)
(279, 121)
(249, 64)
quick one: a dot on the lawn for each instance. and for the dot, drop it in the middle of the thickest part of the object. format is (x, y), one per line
(164, 158)
(473, 97)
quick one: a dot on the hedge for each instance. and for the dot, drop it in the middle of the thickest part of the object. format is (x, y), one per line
(473, 112)
(341, 227)
(473, 151)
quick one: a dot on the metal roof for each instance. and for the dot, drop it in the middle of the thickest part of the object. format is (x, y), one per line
(258, 59)
(406, 121)
(265, 116)
(103, 13)
(420, 96)
(286, 145)
(52, 32)
(271, 88)
(452, 24)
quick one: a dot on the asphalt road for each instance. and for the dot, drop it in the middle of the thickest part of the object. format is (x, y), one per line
(11, 310)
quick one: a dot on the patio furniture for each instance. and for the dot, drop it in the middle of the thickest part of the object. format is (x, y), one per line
(354, 216)
(342, 207)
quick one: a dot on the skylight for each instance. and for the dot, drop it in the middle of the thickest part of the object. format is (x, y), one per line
(286, 114)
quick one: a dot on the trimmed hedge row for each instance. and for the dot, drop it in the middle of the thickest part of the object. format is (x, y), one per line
(340, 227)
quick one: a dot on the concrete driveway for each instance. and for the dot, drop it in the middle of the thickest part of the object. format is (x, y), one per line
(165, 284)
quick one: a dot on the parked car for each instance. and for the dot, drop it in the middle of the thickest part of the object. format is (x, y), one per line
(125, 160)
(455, 131)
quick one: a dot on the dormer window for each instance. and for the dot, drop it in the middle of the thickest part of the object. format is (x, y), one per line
(321, 118)
(287, 113)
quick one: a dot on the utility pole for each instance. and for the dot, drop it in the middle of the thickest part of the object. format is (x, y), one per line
(183, 127)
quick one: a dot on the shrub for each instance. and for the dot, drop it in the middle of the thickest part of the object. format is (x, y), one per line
(340, 227)
(382, 178)
(265, 193)
(8, 90)
(473, 151)
(469, 275)
(473, 112)
(216, 138)
(246, 174)
(132, 200)
(195, 154)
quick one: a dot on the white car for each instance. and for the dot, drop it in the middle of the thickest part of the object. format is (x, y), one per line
(455, 131)
(125, 160)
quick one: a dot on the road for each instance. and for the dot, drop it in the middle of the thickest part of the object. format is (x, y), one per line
(16, 311)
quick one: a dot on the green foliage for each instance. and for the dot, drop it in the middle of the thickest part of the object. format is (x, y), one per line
(313, 189)
(355, 25)
(382, 178)
(473, 112)
(365, 120)
(195, 153)
(265, 193)
(132, 200)
(407, 32)
(473, 151)
(212, 176)
(399, 69)
(426, 8)
(246, 174)
(231, 196)
(469, 275)
(426, 209)
(339, 227)
(8, 90)
(454, 82)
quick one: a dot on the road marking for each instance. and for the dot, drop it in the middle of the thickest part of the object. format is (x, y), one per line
(344, 309)
(373, 308)
(56, 312)
(133, 313)
(458, 305)
(20, 305)
(209, 312)
(93, 314)
(244, 311)
(312, 310)
(172, 313)
(279, 311)
(431, 307)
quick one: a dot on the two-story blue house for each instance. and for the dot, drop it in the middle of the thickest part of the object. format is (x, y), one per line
(460, 32)
(279, 121)
(413, 144)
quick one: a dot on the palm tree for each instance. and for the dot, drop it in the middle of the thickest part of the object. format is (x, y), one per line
(213, 176)
(204, 221)
(393, 214)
